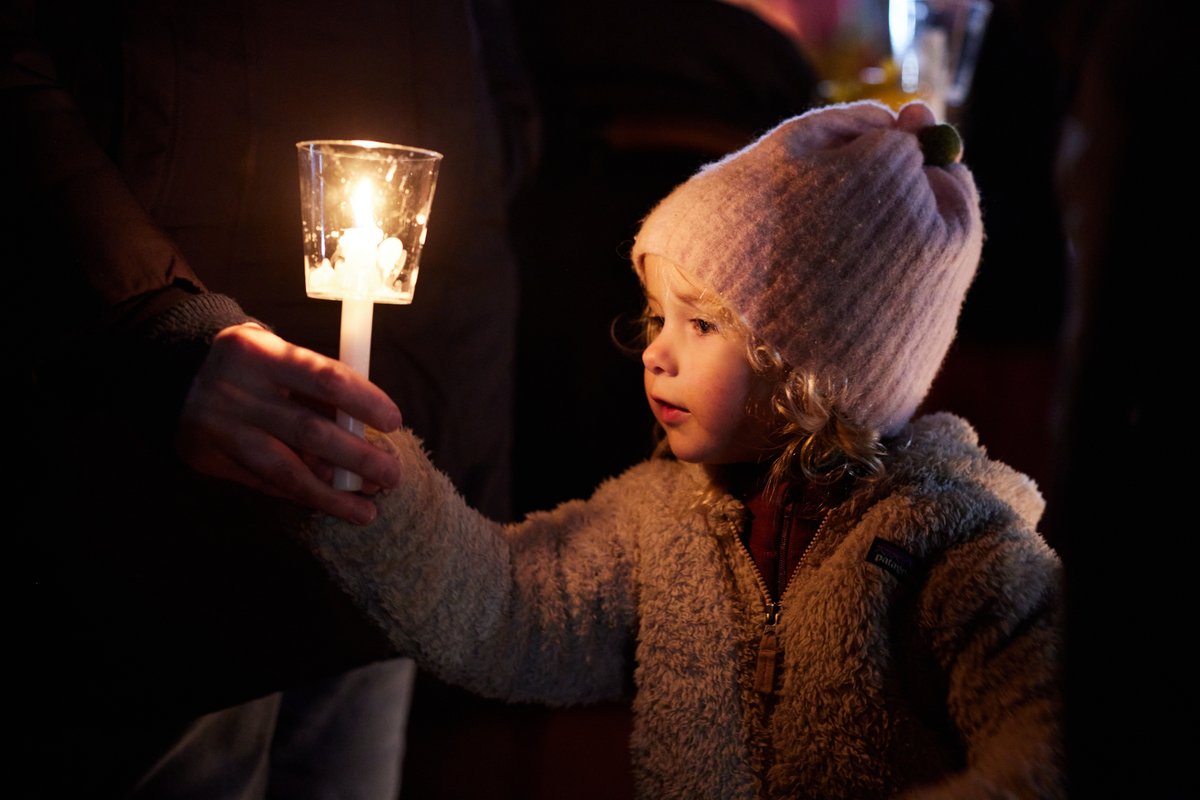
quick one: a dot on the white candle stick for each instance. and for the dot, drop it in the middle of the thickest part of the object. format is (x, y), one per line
(358, 245)
(354, 352)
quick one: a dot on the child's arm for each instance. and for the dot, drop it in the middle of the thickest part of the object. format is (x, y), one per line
(540, 611)
(991, 609)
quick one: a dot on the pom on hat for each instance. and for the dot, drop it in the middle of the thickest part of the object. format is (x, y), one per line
(846, 238)
(940, 144)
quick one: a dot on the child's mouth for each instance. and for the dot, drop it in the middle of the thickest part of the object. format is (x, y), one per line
(669, 412)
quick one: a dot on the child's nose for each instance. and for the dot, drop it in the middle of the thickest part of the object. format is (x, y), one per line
(657, 356)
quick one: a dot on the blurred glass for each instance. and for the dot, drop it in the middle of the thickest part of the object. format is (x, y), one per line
(935, 45)
(930, 55)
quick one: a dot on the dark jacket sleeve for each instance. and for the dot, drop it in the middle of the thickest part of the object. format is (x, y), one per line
(131, 321)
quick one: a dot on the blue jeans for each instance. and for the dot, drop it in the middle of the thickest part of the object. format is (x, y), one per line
(342, 738)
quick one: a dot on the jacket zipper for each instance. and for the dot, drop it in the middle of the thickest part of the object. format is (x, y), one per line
(785, 539)
(768, 643)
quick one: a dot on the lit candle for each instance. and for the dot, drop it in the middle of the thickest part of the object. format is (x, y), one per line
(359, 277)
(364, 209)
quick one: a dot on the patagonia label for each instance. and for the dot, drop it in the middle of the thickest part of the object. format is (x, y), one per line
(892, 557)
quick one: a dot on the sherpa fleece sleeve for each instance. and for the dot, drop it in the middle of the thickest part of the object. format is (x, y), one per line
(991, 609)
(540, 611)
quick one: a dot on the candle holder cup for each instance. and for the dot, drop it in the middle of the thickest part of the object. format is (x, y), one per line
(352, 192)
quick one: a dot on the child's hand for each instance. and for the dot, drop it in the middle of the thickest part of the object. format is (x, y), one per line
(250, 417)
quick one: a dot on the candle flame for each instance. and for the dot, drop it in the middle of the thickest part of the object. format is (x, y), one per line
(363, 205)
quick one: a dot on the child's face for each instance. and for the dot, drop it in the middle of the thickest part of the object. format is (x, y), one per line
(698, 376)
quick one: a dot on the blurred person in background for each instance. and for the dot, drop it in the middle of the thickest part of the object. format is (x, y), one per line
(171, 365)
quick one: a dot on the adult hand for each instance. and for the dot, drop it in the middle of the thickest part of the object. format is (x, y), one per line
(914, 116)
(251, 416)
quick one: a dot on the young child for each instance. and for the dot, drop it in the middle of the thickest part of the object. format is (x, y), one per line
(815, 595)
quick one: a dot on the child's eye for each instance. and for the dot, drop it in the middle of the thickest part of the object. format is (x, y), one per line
(653, 322)
(703, 326)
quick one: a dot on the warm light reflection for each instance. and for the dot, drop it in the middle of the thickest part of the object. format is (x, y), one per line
(902, 25)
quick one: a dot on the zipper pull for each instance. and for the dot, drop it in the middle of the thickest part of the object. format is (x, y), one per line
(768, 654)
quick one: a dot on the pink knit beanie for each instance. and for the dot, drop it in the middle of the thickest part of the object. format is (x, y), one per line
(840, 244)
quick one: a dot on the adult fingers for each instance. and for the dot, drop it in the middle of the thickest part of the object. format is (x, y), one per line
(914, 116)
(254, 378)
(246, 455)
(283, 473)
(313, 437)
(305, 372)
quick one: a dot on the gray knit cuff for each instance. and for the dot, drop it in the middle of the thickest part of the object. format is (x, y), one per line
(189, 327)
(164, 355)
